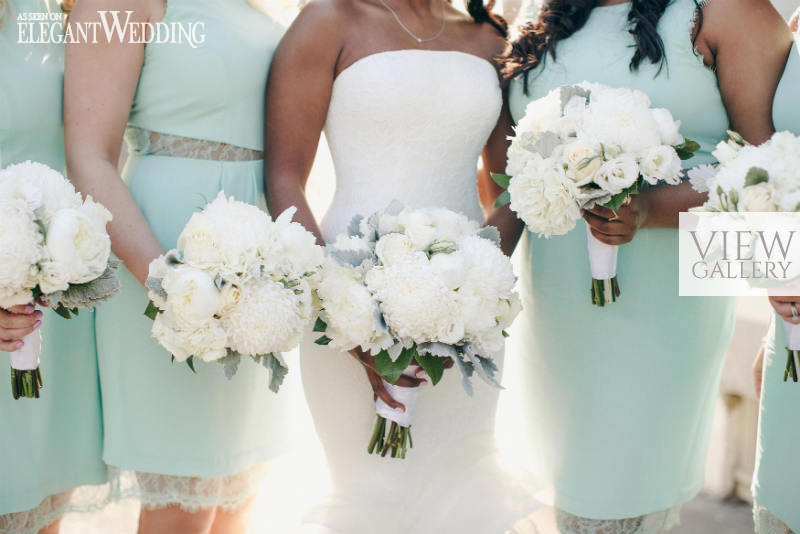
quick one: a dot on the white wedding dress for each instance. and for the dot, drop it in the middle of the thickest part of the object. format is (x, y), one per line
(409, 125)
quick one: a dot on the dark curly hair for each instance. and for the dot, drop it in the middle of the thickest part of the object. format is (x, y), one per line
(481, 13)
(561, 18)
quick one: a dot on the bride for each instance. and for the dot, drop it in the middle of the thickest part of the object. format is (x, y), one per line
(408, 95)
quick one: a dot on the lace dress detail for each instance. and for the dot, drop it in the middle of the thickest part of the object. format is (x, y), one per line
(654, 523)
(85, 499)
(145, 142)
(154, 490)
(768, 523)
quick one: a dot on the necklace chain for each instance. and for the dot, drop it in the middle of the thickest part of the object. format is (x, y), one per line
(409, 32)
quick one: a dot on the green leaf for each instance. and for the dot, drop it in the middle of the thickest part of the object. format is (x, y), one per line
(152, 311)
(736, 138)
(755, 176)
(63, 312)
(585, 162)
(618, 200)
(277, 371)
(323, 340)
(505, 334)
(392, 370)
(501, 179)
(320, 325)
(433, 365)
(503, 199)
(190, 363)
(687, 149)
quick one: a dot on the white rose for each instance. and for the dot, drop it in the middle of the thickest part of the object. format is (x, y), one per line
(192, 296)
(77, 240)
(391, 248)
(617, 174)
(668, 127)
(583, 153)
(54, 277)
(661, 163)
(757, 197)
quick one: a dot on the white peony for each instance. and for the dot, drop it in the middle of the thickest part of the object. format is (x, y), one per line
(668, 127)
(207, 342)
(757, 197)
(45, 189)
(541, 114)
(296, 252)
(620, 117)
(418, 225)
(544, 198)
(392, 248)
(192, 297)
(617, 174)
(267, 317)
(22, 246)
(53, 276)
(661, 164)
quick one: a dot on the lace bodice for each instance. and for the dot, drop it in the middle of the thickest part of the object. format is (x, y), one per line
(409, 125)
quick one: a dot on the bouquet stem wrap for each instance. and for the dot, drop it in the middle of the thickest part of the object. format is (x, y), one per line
(26, 380)
(603, 265)
(792, 332)
(392, 431)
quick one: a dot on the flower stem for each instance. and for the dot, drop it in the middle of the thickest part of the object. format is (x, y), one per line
(604, 292)
(395, 442)
(26, 384)
(791, 368)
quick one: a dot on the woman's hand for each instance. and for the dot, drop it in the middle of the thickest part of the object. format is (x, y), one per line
(16, 323)
(787, 307)
(620, 227)
(758, 370)
(376, 381)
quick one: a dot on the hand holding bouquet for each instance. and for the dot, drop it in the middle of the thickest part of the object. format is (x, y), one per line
(589, 145)
(55, 249)
(238, 284)
(415, 287)
(764, 178)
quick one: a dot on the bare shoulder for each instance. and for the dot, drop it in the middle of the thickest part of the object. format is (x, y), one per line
(755, 20)
(320, 26)
(142, 10)
(491, 42)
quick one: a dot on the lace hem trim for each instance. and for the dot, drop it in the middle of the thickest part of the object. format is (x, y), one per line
(154, 490)
(768, 523)
(82, 500)
(655, 523)
(142, 141)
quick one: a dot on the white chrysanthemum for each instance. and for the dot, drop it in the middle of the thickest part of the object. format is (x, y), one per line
(207, 342)
(701, 176)
(45, 189)
(544, 198)
(415, 301)
(350, 311)
(22, 244)
(268, 317)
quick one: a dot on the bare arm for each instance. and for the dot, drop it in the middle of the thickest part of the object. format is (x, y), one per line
(99, 84)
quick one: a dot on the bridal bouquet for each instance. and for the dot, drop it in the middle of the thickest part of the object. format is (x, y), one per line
(764, 178)
(237, 284)
(414, 288)
(586, 145)
(55, 251)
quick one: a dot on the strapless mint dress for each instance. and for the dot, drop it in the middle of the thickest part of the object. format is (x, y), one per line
(195, 129)
(53, 444)
(776, 483)
(619, 401)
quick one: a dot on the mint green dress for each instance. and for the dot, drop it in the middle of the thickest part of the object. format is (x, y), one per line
(52, 444)
(619, 400)
(165, 424)
(776, 483)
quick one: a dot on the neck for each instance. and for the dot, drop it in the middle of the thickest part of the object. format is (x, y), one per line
(417, 6)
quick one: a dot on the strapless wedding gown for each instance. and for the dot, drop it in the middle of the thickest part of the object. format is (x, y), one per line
(408, 125)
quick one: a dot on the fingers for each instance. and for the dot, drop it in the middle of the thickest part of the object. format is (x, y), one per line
(448, 363)
(419, 379)
(13, 321)
(11, 346)
(16, 334)
(22, 309)
(605, 226)
(382, 393)
(783, 306)
(603, 212)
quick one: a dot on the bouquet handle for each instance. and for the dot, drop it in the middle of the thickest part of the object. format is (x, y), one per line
(26, 379)
(392, 431)
(603, 266)
(792, 332)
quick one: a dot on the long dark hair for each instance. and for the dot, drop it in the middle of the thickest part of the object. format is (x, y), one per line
(559, 19)
(481, 13)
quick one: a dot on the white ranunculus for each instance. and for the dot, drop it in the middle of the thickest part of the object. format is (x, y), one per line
(192, 296)
(54, 276)
(757, 197)
(579, 153)
(268, 317)
(21, 243)
(661, 163)
(617, 174)
(392, 248)
(77, 241)
(207, 341)
(544, 198)
(668, 127)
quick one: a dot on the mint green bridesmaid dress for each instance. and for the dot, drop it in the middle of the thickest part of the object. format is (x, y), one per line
(619, 400)
(776, 483)
(53, 444)
(195, 128)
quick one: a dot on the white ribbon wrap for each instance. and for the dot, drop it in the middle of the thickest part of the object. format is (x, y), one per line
(792, 332)
(406, 396)
(27, 358)
(602, 257)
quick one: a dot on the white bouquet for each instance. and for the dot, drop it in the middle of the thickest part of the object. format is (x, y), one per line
(56, 250)
(237, 284)
(586, 145)
(764, 178)
(416, 287)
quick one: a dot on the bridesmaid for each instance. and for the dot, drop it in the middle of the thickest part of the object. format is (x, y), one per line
(776, 483)
(620, 399)
(53, 444)
(188, 445)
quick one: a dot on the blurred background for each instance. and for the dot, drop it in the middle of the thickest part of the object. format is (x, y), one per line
(296, 482)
